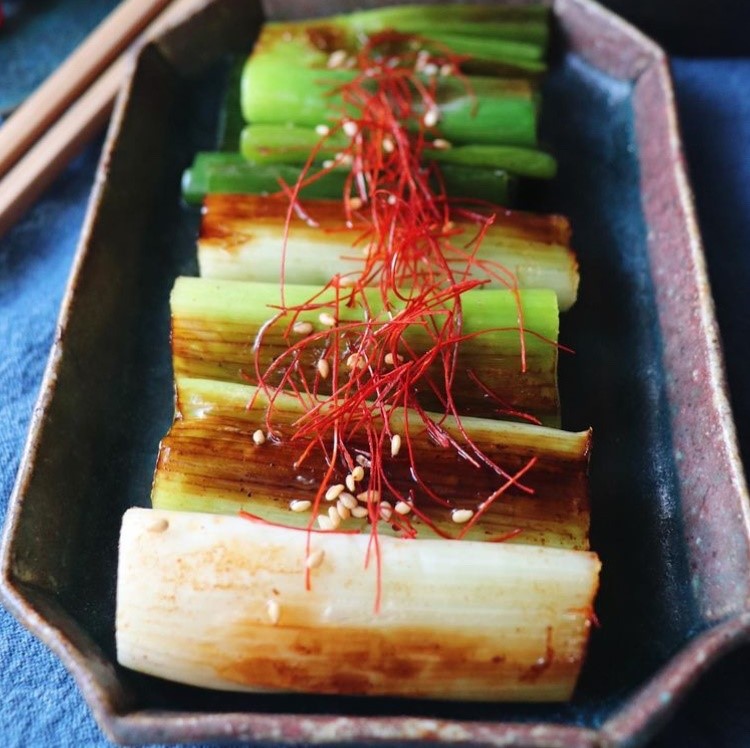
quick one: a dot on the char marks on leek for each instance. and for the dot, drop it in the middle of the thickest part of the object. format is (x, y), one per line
(216, 326)
(241, 235)
(208, 462)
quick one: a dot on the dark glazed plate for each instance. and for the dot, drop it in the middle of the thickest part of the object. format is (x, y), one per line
(670, 514)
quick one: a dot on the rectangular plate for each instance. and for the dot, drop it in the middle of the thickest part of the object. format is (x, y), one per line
(669, 499)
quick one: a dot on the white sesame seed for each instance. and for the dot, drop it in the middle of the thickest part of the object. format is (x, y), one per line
(360, 512)
(430, 69)
(334, 517)
(392, 200)
(422, 56)
(300, 505)
(347, 500)
(446, 69)
(350, 128)
(430, 117)
(369, 496)
(327, 319)
(358, 473)
(259, 437)
(160, 525)
(388, 145)
(355, 203)
(328, 163)
(322, 129)
(441, 144)
(355, 361)
(324, 368)
(389, 358)
(402, 507)
(273, 611)
(343, 511)
(386, 510)
(350, 484)
(346, 281)
(302, 328)
(324, 523)
(334, 492)
(315, 559)
(337, 58)
(395, 445)
(461, 516)
(363, 461)
(343, 158)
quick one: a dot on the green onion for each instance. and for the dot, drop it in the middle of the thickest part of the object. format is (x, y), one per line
(230, 122)
(231, 173)
(282, 144)
(221, 602)
(510, 43)
(241, 239)
(215, 322)
(194, 473)
(522, 162)
(528, 23)
(491, 110)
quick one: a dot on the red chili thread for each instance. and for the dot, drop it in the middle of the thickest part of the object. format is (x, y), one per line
(485, 505)
(260, 520)
(504, 538)
(421, 275)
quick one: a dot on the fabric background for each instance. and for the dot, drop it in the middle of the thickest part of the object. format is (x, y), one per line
(39, 703)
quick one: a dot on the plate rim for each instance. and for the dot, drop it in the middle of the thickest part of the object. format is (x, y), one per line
(644, 711)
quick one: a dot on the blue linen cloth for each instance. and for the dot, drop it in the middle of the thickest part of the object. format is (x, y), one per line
(51, 29)
(39, 702)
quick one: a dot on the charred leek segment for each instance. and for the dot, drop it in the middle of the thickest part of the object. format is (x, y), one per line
(479, 110)
(497, 41)
(230, 330)
(241, 235)
(232, 174)
(277, 144)
(528, 23)
(217, 602)
(209, 462)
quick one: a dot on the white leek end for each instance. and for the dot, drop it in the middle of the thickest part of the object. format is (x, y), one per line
(220, 602)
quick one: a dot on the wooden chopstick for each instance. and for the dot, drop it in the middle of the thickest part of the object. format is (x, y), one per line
(51, 153)
(73, 77)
